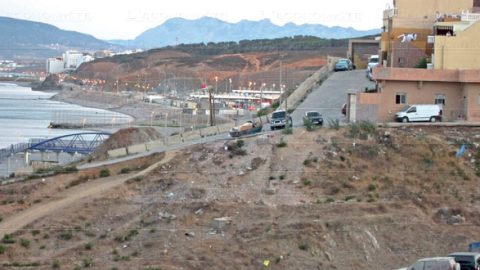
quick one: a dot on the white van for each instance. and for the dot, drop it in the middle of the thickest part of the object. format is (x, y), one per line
(373, 61)
(437, 263)
(412, 113)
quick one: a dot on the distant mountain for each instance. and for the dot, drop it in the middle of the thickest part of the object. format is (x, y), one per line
(178, 30)
(28, 39)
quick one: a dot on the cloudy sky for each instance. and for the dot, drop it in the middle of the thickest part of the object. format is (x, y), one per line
(120, 20)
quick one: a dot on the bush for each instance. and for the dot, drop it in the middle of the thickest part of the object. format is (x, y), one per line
(8, 239)
(104, 173)
(372, 187)
(334, 124)
(87, 262)
(2, 249)
(125, 170)
(65, 235)
(282, 143)
(308, 124)
(287, 131)
(56, 264)
(88, 246)
(303, 247)
(24, 242)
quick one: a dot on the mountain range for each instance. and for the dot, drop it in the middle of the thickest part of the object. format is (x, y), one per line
(206, 29)
(28, 39)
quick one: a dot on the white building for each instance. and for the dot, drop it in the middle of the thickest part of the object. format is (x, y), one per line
(73, 59)
(55, 65)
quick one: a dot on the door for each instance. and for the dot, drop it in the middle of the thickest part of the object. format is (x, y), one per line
(412, 114)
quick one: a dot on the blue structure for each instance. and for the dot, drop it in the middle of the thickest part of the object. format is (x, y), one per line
(82, 143)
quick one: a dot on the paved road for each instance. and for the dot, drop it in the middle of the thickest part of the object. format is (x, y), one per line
(331, 94)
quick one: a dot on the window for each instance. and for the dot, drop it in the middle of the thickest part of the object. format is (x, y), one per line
(418, 266)
(401, 98)
(440, 99)
(412, 110)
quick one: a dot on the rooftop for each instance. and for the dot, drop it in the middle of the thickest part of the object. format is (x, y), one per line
(426, 75)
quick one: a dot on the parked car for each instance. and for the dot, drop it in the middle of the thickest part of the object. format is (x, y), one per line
(437, 263)
(467, 260)
(315, 117)
(373, 61)
(280, 119)
(344, 64)
(412, 113)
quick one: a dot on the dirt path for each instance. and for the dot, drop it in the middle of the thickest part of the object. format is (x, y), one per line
(64, 199)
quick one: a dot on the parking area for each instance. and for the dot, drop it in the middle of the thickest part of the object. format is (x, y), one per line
(331, 94)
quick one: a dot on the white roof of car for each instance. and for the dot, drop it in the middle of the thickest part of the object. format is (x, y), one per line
(436, 259)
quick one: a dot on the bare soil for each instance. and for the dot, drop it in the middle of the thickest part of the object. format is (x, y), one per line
(328, 199)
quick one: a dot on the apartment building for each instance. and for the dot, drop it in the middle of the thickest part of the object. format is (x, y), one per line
(431, 55)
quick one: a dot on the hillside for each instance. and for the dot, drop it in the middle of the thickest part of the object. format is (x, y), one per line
(187, 67)
(356, 198)
(28, 39)
(206, 29)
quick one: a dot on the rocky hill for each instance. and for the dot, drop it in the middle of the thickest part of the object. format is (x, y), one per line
(206, 29)
(29, 39)
(354, 198)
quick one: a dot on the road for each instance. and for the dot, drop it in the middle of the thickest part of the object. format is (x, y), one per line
(329, 97)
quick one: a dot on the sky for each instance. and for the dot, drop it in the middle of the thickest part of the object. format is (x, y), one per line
(106, 19)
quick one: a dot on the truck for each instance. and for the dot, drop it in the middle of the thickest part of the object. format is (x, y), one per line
(420, 112)
(280, 119)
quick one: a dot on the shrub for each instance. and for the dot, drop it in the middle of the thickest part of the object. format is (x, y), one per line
(87, 262)
(287, 131)
(334, 124)
(104, 173)
(303, 247)
(65, 235)
(125, 170)
(308, 124)
(282, 143)
(2, 249)
(372, 187)
(56, 264)
(88, 246)
(24, 242)
(8, 239)
(306, 182)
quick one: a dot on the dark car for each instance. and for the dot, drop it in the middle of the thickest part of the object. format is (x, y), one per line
(280, 119)
(315, 117)
(344, 64)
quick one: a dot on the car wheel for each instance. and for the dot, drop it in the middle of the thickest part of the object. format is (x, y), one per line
(433, 119)
(405, 119)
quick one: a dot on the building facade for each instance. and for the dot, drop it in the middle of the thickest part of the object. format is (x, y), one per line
(445, 35)
(55, 65)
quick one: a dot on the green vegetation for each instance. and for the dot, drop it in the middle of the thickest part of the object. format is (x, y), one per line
(2, 249)
(24, 242)
(422, 63)
(104, 173)
(334, 124)
(287, 131)
(236, 149)
(308, 124)
(87, 262)
(296, 43)
(282, 143)
(56, 264)
(8, 239)
(65, 235)
(303, 247)
(125, 170)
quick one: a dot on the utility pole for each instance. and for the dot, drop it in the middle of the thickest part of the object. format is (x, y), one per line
(280, 85)
(211, 101)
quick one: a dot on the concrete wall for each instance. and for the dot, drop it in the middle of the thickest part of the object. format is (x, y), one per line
(459, 52)
(119, 152)
(301, 92)
(420, 93)
(471, 93)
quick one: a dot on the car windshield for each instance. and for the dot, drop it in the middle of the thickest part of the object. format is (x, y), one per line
(342, 62)
(466, 262)
(373, 60)
(312, 114)
(404, 109)
(278, 115)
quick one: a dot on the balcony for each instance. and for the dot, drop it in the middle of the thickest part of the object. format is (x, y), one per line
(470, 17)
(390, 13)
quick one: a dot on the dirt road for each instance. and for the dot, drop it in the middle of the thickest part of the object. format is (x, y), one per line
(70, 196)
